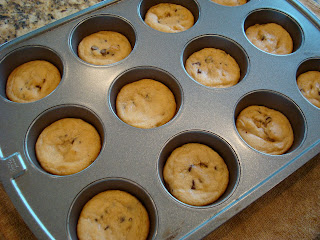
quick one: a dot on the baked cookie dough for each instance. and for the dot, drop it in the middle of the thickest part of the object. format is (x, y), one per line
(104, 47)
(113, 214)
(230, 2)
(271, 38)
(169, 17)
(195, 174)
(32, 81)
(213, 68)
(265, 129)
(309, 85)
(145, 104)
(67, 146)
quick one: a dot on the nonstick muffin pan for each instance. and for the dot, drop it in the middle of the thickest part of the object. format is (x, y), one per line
(132, 159)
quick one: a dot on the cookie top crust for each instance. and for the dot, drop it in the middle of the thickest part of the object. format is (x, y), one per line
(169, 17)
(265, 129)
(104, 47)
(309, 85)
(32, 81)
(230, 2)
(271, 38)
(113, 214)
(67, 146)
(213, 68)
(195, 174)
(145, 103)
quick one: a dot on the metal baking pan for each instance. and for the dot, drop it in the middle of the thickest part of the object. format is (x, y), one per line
(132, 159)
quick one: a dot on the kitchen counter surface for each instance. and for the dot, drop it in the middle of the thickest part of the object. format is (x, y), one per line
(291, 210)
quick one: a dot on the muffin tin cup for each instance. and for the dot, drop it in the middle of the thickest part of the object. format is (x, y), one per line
(216, 143)
(111, 184)
(102, 22)
(191, 5)
(145, 72)
(26, 54)
(54, 114)
(132, 159)
(219, 42)
(264, 16)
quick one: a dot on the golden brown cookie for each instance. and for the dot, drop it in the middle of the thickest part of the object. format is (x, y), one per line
(113, 214)
(169, 17)
(265, 129)
(104, 47)
(309, 85)
(271, 38)
(195, 174)
(230, 2)
(32, 81)
(67, 146)
(145, 104)
(213, 68)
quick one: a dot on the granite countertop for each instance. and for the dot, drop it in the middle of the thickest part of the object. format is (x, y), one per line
(19, 17)
(291, 210)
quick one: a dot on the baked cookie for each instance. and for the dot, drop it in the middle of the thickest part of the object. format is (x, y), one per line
(104, 47)
(67, 146)
(195, 174)
(230, 2)
(213, 68)
(265, 129)
(271, 38)
(309, 85)
(145, 104)
(169, 17)
(113, 214)
(32, 81)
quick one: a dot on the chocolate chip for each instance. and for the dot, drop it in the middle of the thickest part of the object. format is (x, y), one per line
(203, 165)
(268, 120)
(37, 86)
(122, 219)
(199, 71)
(263, 38)
(196, 63)
(96, 219)
(93, 48)
(130, 219)
(104, 52)
(215, 168)
(190, 167)
(106, 227)
(193, 185)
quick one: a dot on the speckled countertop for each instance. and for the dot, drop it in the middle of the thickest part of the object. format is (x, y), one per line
(289, 211)
(18, 17)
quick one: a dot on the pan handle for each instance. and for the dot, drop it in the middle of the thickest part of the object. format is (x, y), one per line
(11, 167)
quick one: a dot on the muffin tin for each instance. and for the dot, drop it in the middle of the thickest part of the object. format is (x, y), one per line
(132, 159)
